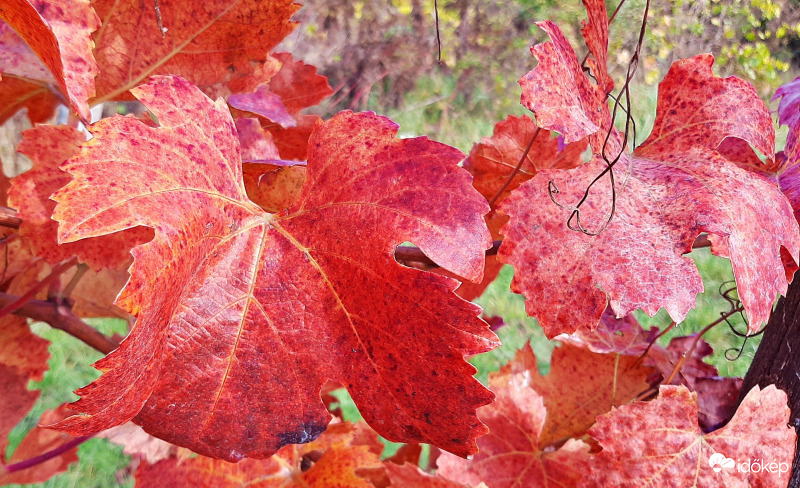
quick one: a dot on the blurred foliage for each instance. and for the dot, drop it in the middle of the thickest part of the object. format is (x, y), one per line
(382, 54)
(758, 40)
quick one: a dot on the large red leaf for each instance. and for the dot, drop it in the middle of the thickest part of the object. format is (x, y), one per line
(671, 189)
(209, 43)
(294, 87)
(243, 315)
(659, 443)
(514, 454)
(58, 32)
(48, 146)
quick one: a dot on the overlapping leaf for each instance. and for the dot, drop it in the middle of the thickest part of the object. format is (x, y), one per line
(671, 189)
(513, 454)
(294, 87)
(596, 382)
(219, 42)
(48, 146)
(243, 315)
(339, 461)
(274, 184)
(40, 440)
(492, 161)
(58, 32)
(659, 443)
(23, 357)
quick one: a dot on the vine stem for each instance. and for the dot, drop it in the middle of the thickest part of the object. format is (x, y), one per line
(696, 340)
(61, 317)
(55, 273)
(46, 456)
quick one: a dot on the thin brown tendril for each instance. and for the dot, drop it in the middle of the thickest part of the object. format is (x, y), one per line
(516, 168)
(735, 303)
(574, 222)
(438, 38)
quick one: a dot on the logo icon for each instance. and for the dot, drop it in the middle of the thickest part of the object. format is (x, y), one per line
(719, 461)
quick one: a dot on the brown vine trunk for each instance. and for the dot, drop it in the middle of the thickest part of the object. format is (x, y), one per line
(777, 361)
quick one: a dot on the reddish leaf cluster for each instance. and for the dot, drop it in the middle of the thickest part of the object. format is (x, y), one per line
(256, 247)
(599, 234)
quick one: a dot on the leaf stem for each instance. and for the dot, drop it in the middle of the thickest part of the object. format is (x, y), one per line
(46, 456)
(61, 317)
(55, 273)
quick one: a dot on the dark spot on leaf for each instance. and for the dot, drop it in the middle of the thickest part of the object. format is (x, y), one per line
(307, 432)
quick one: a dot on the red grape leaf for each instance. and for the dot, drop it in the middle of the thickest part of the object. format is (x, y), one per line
(596, 382)
(257, 144)
(316, 293)
(298, 84)
(659, 443)
(787, 173)
(274, 188)
(513, 454)
(410, 476)
(717, 400)
(271, 183)
(595, 31)
(621, 336)
(664, 360)
(209, 43)
(671, 189)
(337, 458)
(17, 399)
(295, 86)
(292, 143)
(26, 80)
(40, 440)
(789, 106)
(493, 160)
(559, 93)
(264, 103)
(48, 146)
(58, 31)
(96, 291)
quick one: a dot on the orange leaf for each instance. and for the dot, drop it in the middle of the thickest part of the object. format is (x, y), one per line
(58, 32)
(209, 43)
(514, 454)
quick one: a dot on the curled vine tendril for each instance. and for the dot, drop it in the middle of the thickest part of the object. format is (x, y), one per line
(728, 291)
(574, 222)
